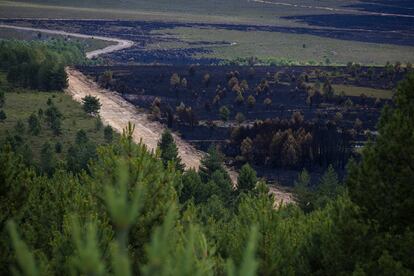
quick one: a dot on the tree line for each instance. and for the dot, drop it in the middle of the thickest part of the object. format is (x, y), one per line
(293, 143)
(39, 65)
(135, 212)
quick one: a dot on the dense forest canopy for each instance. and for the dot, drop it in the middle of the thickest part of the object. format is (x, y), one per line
(119, 209)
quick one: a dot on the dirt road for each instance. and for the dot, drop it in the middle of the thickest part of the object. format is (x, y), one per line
(120, 43)
(117, 112)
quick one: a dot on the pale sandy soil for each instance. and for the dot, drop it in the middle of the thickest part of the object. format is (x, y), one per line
(117, 112)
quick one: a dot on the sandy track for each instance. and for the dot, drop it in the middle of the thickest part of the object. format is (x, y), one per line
(117, 112)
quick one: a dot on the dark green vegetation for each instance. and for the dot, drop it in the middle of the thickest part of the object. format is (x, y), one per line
(128, 213)
(169, 151)
(88, 44)
(258, 30)
(38, 65)
(91, 105)
(48, 129)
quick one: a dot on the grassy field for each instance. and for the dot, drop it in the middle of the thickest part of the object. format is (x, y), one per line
(241, 11)
(302, 49)
(21, 103)
(292, 48)
(356, 91)
(89, 44)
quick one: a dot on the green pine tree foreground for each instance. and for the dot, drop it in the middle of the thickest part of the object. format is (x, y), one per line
(169, 150)
(128, 213)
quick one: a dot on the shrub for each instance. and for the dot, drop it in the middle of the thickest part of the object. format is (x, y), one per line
(34, 124)
(246, 149)
(108, 134)
(20, 127)
(98, 124)
(175, 80)
(239, 117)
(232, 82)
(244, 85)
(224, 113)
(338, 117)
(184, 82)
(91, 105)
(106, 78)
(358, 125)
(251, 101)
(239, 99)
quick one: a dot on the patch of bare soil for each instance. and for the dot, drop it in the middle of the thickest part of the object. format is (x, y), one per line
(117, 112)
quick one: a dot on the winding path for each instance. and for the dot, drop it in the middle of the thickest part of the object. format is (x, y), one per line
(120, 43)
(117, 112)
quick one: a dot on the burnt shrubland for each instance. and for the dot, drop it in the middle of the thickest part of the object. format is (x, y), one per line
(281, 118)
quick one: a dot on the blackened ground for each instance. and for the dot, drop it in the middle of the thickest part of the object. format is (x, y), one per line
(141, 85)
(377, 24)
(386, 6)
(364, 28)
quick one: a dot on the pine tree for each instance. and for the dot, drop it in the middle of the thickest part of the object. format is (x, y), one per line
(247, 179)
(47, 160)
(81, 154)
(20, 128)
(169, 150)
(212, 162)
(2, 116)
(91, 105)
(108, 134)
(290, 155)
(2, 98)
(382, 183)
(304, 196)
(192, 187)
(34, 124)
(59, 79)
(251, 101)
(81, 137)
(224, 113)
(175, 80)
(53, 117)
(246, 149)
(328, 189)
